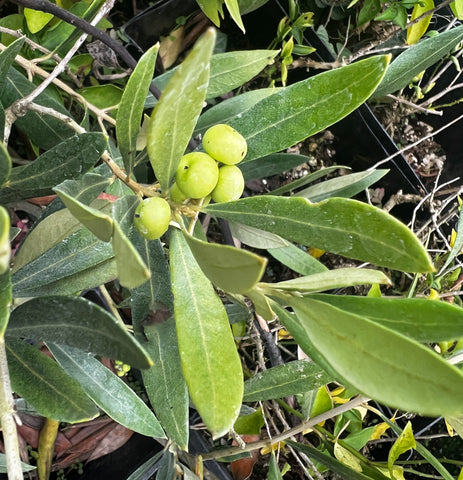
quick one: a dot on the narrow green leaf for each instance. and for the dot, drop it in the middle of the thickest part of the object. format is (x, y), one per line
(79, 323)
(67, 160)
(256, 238)
(100, 224)
(147, 468)
(227, 267)
(230, 70)
(307, 107)
(5, 163)
(25, 467)
(42, 383)
(164, 382)
(345, 186)
(131, 269)
(5, 301)
(42, 130)
(210, 362)
(416, 59)
(234, 10)
(333, 464)
(212, 9)
(405, 442)
(292, 378)
(271, 165)
(175, 115)
(226, 110)
(423, 320)
(7, 59)
(457, 244)
(130, 111)
(358, 349)
(273, 469)
(417, 30)
(297, 259)
(49, 231)
(343, 226)
(5, 250)
(107, 390)
(306, 179)
(328, 280)
(78, 252)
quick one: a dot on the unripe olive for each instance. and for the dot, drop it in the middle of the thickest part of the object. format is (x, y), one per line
(176, 194)
(152, 217)
(197, 174)
(230, 185)
(225, 144)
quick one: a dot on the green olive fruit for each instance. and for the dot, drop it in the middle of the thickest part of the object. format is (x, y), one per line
(152, 217)
(225, 144)
(197, 174)
(230, 185)
(176, 194)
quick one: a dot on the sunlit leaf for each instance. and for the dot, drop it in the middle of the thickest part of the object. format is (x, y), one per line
(358, 349)
(405, 442)
(417, 58)
(208, 354)
(227, 267)
(343, 226)
(130, 111)
(307, 107)
(417, 30)
(175, 115)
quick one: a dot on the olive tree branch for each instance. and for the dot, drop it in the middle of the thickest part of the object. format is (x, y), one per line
(355, 402)
(19, 107)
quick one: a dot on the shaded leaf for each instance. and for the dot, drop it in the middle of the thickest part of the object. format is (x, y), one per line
(60, 269)
(357, 349)
(130, 111)
(343, 226)
(67, 160)
(7, 59)
(328, 280)
(25, 467)
(42, 130)
(292, 378)
(297, 259)
(345, 186)
(423, 320)
(256, 238)
(5, 300)
(227, 267)
(100, 224)
(164, 382)
(210, 362)
(271, 165)
(79, 323)
(131, 269)
(175, 115)
(107, 390)
(42, 383)
(417, 58)
(307, 107)
(273, 469)
(5, 163)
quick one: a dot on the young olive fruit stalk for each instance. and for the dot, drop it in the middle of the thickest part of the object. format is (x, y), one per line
(197, 175)
(230, 185)
(225, 144)
(152, 217)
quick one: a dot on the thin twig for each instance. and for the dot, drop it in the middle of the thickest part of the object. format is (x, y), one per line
(355, 402)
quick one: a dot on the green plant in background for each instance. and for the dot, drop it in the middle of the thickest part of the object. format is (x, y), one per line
(89, 236)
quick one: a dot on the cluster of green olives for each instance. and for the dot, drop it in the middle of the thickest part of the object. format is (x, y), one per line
(215, 172)
(211, 175)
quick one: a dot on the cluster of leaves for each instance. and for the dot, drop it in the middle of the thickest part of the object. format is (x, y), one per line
(85, 239)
